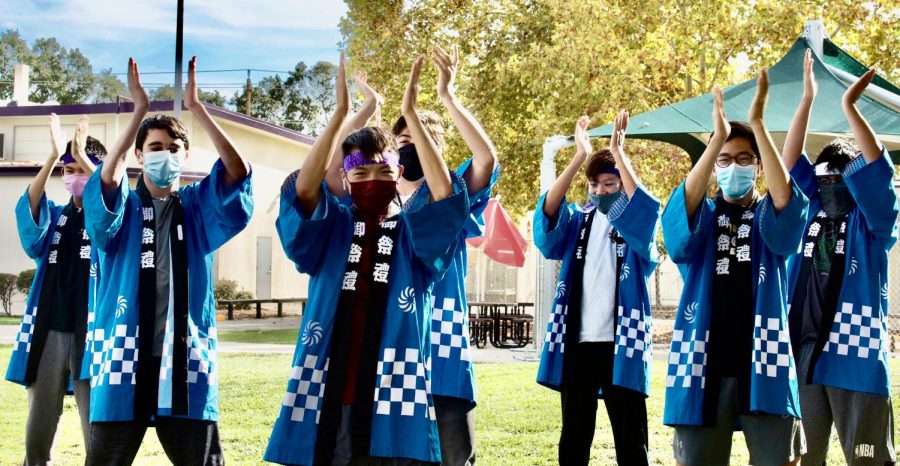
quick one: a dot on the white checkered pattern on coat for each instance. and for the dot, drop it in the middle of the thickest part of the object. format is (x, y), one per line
(633, 334)
(856, 334)
(772, 348)
(202, 356)
(26, 330)
(449, 330)
(556, 329)
(306, 388)
(114, 358)
(687, 360)
(402, 386)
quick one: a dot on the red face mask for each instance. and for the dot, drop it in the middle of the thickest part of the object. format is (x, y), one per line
(373, 197)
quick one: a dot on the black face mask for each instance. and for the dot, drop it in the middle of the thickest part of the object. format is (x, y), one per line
(836, 199)
(409, 159)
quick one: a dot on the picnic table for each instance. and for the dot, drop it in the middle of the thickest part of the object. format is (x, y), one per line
(231, 303)
(504, 324)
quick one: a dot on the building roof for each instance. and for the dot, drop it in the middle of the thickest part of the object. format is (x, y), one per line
(124, 106)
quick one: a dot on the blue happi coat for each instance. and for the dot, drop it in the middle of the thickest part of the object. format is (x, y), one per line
(35, 238)
(691, 244)
(636, 220)
(319, 245)
(213, 213)
(452, 372)
(855, 356)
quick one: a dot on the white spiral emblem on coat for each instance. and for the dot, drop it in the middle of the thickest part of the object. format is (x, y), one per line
(625, 273)
(407, 300)
(884, 291)
(121, 306)
(312, 334)
(762, 274)
(853, 265)
(690, 312)
(94, 270)
(560, 290)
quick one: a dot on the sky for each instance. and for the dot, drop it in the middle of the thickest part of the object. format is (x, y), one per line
(224, 34)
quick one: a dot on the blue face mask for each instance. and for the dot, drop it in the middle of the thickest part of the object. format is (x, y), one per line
(736, 180)
(163, 167)
(604, 202)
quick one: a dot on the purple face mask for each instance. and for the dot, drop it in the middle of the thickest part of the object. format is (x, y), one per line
(358, 159)
(74, 183)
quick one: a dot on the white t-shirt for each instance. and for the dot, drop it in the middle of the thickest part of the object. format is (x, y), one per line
(598, 291)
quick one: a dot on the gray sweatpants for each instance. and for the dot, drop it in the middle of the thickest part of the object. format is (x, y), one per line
(46, 394)
(864, 422)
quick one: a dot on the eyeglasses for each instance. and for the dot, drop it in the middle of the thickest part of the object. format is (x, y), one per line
(743, 159)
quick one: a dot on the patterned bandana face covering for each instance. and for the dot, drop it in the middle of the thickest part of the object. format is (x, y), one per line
(358, 159)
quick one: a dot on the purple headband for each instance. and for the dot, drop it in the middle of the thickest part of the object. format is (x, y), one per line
(358, 159)
(67, 158)
(611, 171)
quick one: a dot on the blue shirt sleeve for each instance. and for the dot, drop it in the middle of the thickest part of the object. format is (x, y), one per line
(782, 232)
(305, 237)
(804, 177)
(104, 214)
(551, 237)
(223, 210)
(683, 235)
(477, 201)
(637, 220)
(435, 228)
(34, 235)
(872, 187)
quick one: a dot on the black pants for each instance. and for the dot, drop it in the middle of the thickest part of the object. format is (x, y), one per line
(186, 442)
(627, 409)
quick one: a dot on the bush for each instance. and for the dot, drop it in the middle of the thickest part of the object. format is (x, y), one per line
(225, 289)
(243, 295)
(7, 290)
(24, 280)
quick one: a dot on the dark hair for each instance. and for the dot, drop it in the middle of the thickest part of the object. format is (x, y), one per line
(432, 122)
(93, 148)
(172, 125)
(598, 162)
(838, 153)
(371, 141)
(739, 129)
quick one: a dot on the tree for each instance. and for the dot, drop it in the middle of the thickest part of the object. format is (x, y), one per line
(13, 50)
(7, 290)
(24, 281)
(167, 92)
(108, 87)
(531, 67)
(59, 74)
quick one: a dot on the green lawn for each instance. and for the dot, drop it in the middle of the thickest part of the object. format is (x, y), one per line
(287, 336)
(14, 320)
(517, 420)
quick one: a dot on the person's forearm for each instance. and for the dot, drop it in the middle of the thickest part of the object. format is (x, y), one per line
(313, 169)
(433, 166)
(560, 186)
(865, 137)
(83, 161)
(698, 179)
(626, 173)
(38, 185)
(777, 176)
(358, 121)
(236, 168)
(484, 156)
(115, 164)
(795, 141)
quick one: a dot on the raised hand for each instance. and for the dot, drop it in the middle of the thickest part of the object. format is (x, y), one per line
(721, 127)
(758, 107)
(810, 88)
(135, 88)
(855, 90)
(342, 93)
(447, 66)
(79, 142)
(361, 79)
(617, 138)
(412, 87)
(191, 94)
(582, 140)
(57, 137)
